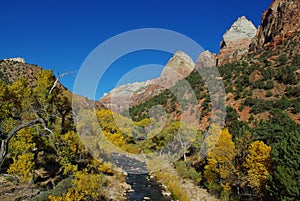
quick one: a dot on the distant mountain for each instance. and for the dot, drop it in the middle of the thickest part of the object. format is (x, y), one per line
(178, 67)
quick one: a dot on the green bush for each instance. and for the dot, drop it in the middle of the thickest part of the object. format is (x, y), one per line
(283, 59)
(61, 188)
(293, 91)
(269, 85)
(187, 171)
(269, 94)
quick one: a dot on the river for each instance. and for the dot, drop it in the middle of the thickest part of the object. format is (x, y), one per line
(144, 188)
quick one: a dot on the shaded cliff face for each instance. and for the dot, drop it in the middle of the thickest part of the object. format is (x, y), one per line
(178, 67)
(236, 41)
(279, 23)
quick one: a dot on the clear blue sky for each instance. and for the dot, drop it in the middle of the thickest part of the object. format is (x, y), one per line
(59, 35)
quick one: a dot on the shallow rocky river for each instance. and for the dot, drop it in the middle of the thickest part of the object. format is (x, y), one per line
(143, 187)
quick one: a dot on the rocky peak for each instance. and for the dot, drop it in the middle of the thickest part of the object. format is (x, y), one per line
(178, 67)
(206, 59)
(17, 59)
(280, 22)
(236, 41)
(180, 63)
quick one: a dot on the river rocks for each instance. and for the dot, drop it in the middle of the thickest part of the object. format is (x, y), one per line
(236, 41)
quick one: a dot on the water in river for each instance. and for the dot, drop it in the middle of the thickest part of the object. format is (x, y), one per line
(144, 188)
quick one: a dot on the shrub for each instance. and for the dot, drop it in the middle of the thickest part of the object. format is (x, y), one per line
(269, 85)
(269, 94)
(61, 188)
(283, 59)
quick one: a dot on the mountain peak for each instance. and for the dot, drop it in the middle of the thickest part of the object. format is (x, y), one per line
(178, 67)
(180, 63)
(183, 56)
(242, 28)
(236, 40)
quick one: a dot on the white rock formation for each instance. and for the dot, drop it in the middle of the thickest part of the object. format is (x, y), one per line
(17, 59)
(236, 40)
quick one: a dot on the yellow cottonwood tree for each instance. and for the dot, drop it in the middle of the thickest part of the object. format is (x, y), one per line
(23, 159)
(258, 164)
(220, 167)
(87, 186)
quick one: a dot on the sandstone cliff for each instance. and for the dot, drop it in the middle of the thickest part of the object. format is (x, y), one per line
(120, 98)
(279, 23)
(236, 41)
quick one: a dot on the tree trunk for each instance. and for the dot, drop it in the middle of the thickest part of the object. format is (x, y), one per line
(11, 134)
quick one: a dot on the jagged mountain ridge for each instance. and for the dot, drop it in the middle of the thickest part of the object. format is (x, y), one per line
(281, 61)
(234, 45)
(178, 67)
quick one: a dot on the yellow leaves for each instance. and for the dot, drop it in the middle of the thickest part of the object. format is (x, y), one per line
(21, 92)
(45, 80)
(258, 164)
(22, 142)
(73, 141)
(214, 135)
(105, 167)
(116, 138)
(22, 166)
(88, 184)
(23, 159)
(55, 198)
(69, 168)
(220, 158)
(143, 123)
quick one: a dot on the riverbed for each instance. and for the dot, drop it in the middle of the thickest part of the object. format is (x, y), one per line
(143, 187)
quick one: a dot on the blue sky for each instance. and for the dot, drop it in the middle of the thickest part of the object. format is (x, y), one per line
(59, 35)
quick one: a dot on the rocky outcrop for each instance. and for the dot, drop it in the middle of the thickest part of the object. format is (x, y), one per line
(180, 63)
(17, 59)
(12, 69)
(206, 59)
(122, 97)
(236, 41)
(279, 23)
(119, 98)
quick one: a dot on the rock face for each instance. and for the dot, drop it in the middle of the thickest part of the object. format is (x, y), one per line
(280, 22)
(122, 97)
(236, 41)
(119, 98)
(180, 63)
(206, 59)
(17, 59)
